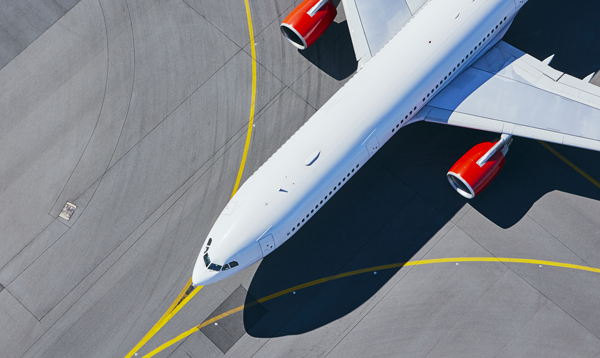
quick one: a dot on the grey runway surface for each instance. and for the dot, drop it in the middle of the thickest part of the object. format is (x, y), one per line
(136, 111)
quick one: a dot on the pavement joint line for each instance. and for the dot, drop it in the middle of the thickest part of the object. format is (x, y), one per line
(568, 162)
(99, 111)
(544, 263)
(252, 101)
(183, 298)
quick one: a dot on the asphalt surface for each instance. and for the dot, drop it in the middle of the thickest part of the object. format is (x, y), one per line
(136, 111)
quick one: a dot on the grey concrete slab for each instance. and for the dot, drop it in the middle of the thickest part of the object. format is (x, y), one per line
(582, 236)
(32, 251)
(175, 80)
(139, 172)
(572, 291)
(176, 51)
(143, 275)
(420, 310)
(552, 333)
(525, 239)
(198, 345)
(230, 17)
(12, 324)
(24, 21)
(95, 158)
(50, 105)
(227, 331)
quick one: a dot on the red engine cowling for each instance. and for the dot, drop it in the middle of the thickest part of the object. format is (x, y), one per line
(468, 178)
(301, 29)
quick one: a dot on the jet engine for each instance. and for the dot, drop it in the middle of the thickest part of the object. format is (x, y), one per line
(478, 167)
(307, 22)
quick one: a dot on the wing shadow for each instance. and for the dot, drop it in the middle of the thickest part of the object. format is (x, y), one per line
(401, 199)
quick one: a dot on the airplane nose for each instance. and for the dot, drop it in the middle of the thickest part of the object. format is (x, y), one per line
(203, 276)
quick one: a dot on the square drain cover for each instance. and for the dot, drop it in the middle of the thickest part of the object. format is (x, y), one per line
(227, 331)
(68, 210)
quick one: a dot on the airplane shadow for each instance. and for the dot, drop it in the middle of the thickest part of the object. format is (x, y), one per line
(333, 52)
(401, 199)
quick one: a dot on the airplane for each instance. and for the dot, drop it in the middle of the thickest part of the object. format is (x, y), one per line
(438, 61)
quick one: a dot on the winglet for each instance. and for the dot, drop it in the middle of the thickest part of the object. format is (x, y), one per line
(548, 60)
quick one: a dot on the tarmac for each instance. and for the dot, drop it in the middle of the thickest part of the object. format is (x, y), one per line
(137, 111)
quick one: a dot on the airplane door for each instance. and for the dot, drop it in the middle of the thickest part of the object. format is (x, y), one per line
(267, 244)
(372, 145)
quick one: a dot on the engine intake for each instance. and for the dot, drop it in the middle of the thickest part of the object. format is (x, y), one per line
(307, 22)
(474, 171)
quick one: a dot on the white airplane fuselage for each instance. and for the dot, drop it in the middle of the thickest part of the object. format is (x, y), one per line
(438, 43)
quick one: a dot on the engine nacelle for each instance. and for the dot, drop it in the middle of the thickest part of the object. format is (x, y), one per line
(468, 177)
(306, 23)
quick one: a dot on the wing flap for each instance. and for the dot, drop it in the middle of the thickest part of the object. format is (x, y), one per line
(372, 23)
(508, 91)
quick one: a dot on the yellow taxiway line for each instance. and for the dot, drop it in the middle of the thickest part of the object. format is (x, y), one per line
(252, 101)
(584, 174)
(182, 299)
(366, 270)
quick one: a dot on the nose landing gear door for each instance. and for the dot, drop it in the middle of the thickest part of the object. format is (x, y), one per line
(267, 244)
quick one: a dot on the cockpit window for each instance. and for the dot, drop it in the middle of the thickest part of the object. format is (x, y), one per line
(211, 266)
(209, 242)
(230, 265)
(214, 267)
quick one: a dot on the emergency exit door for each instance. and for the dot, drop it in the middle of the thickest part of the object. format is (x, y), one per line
(267, 244)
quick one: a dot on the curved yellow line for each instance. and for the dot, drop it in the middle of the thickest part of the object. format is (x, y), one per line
(252, 101)
(370, 269)
(181, 299)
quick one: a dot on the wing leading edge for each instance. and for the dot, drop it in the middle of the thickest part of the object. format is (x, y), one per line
(508, 91)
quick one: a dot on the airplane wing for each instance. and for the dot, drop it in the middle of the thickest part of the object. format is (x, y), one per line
(372, 23)
(508, 91)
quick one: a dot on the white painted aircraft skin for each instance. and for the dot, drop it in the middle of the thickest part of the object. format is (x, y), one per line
(283, 194)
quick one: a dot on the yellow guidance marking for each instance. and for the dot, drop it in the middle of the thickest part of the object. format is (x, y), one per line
(584, 174)
(181, 300)
(252, 101)
(370, 269)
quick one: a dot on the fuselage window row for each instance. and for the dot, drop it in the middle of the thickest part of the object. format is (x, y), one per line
(324, 199)
(449, 75)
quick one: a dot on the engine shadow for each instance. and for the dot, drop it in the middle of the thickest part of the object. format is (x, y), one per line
(400, 200)
(388, 212)
(333, 52)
